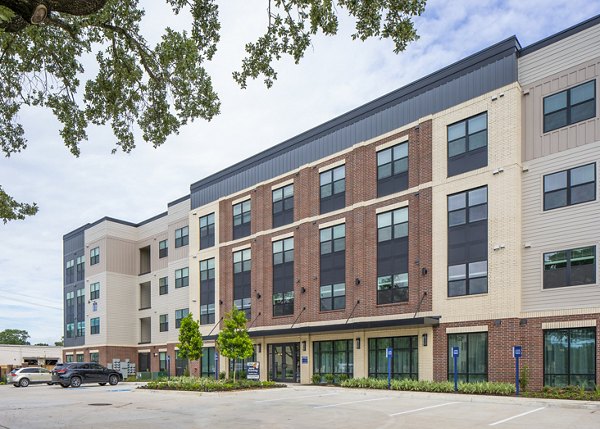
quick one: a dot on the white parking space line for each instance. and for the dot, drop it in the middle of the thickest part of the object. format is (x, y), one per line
(297, 397)
(421, 409)
(351, 402)
(517, 416)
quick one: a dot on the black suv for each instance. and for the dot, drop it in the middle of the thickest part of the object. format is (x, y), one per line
(76, 373)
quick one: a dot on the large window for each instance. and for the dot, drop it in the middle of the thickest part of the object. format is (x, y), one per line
(207, 362)
(80, 268)
(333, 189)
(163, 322)
(392, 256)
(242, 280)
(95, 325)
(182, 237)
(95, 256)
(207, 291)
(467, 145)
(333, 357)
(94, 357)
(70, 307)
(242, 216)
(80, 300)
(467, 242)
(472, 360)
(70, 330)
(570, 187)
(70, 271)
(162, 361)
(163, 248)
(333, 268)
(240, 364)
(405, 357)
(570, 357)
(570, 106)
(180, 314)
(283, 205)
(163, 285)
(95, 291)
(182, 277)
(81, 329)
(283, 277)
(570, 267)
(207, 231)
(392, 169)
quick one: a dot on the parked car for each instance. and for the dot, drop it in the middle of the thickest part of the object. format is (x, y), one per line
(77, 373)
(23, 377)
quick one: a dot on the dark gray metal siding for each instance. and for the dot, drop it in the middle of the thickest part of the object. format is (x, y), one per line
(73, 247)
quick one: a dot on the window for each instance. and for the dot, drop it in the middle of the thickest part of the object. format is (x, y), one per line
(333, 357)
(70, 330)
(163, 249)
(182, 237)
(570, 187)
(80, 304)
(570, 357)
(79, 357)
(80, 268)
(570, 106)
(70, 307)
(207, 362)
(392, 169)
(405, 358)
(240, 364)
(472, 358)
(333, 268)
(207, 291)
(467, 145)
(207, 231)
(392, 256)
(182, 277)
(283, 205)
(94, 357)
(570, 267)
(241, 219)
(69, 358)
(70, 271)
(242, 280)
(163, 322)
(283, 277)
(180, 314)
(333, 189)
(95, 291)
(94, 256)
(162, 361)
(81, 329)
(95, 326)
(163, 285)
(467, 242)
(181, 364)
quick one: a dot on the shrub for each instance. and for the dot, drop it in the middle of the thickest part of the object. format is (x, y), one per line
(329, 378)
(222, 375)
(316, 378)
(340, 378)
(567, 392)
(524, 377)
(208, 384)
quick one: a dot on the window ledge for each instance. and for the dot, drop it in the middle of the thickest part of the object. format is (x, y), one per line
(144, 273)
(389, 304)
(337, 310)
(145, 342)
(472, 295)
(144, 308)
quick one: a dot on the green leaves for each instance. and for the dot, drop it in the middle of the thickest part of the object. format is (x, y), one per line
(233, 340)
(13, 210)
(190, 339)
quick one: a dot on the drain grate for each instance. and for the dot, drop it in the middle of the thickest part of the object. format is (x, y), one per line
(100, 404)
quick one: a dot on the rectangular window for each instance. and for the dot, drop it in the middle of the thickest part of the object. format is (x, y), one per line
(182, 237)
(162, 361)
(207, 291)
(392, 256)
(207, 231)
(405, 357)
(570, 187)
(95, 326)
(79, 357)
(70, 307)
(570, 357)
(467, 145)
(70, 330)
(69, 358)
(242, 219)
(242, 280)
(333, 189)
(333, 268)
(180, 314)
(570, 267)
(283, 277)
(163, 249)
(472, 360)
(81, 329)
(207, 362)
(95, 256)
(163, 285)
(80, 304)
(95, 357)
(392, 169)
(70, 271)
(80, 268)
(95, 291)
(163, 322)
(283, 205)
(182, 278)
(570, 106)
(333, 357)
(240, 364)
(467, 242)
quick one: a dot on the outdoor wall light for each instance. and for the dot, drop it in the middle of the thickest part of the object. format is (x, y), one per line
(358, 343)
(424, 336)
(303, 346)
(303, 289)
(357, 281)
(258, 295)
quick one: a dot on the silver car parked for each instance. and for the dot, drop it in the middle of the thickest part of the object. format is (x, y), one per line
(23, 377)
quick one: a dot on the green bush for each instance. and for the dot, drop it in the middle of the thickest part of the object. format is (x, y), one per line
(222, 375)
(568, 392)
(316, 378)
(486, 388)
(340, 378)
(208, 384)
(524, 377)
(329, 378)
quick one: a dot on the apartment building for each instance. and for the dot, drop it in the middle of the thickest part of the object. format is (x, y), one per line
(457, 211)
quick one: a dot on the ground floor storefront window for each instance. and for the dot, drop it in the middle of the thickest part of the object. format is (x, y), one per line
(333, 357)
(472, 363)
(207, 362)
(570, 357)
(240, 365)
(405, 362)
(181, 365)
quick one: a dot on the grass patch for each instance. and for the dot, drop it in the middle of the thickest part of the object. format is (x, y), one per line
(195, 384)
(568, 392)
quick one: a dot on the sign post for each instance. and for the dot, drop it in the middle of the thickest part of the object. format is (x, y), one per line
(216, 365)
(168, 367)
(388, 354)
(517, 353)
(455, 352)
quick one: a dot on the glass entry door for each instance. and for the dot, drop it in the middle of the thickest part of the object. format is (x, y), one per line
(284, 362)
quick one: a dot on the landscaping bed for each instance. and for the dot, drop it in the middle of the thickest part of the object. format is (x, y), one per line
(196, 384)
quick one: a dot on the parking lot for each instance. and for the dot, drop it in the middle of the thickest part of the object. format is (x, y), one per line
(124, 406)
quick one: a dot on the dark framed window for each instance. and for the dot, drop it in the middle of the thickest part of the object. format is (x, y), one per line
(162, 361)
(467, 242)
(95, 291)
(240, 364)
(95, 325)
(70, 271)
(163, 322)
(163, 248)
(69, 358)
(467, 145)
(80, 300)
(80, 357)
(163, 285)
(333, 268)
(180, 314)
(207, 231)
(571, 267)
(207, 291)
(333, 189)
(392, 169)
(242, 281)
(95, 256)
(70, 307)
(392, 256)
(70, 330)
(81, 329)
(570, 357)
(182, 237)
(283, 205)
(569, 187)
(333, 357)
(405, 357)
(182, 278)
(80, 267)
(95, 357)
(207, 362)
(570, 106)
(242, 217)
(472, 360)
(181, 364)
(283, 277)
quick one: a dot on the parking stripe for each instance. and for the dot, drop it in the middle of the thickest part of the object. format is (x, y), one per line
(352, 402)
(517, 416)
(297, 397)
(421, 409)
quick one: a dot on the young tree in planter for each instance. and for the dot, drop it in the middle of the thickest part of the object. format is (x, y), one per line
(234, 341)
(190, 338)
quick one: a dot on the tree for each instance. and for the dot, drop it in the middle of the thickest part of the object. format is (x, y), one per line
(233, 341)
(14, 336)
(60, 343)
(156, 89)
(190, 339)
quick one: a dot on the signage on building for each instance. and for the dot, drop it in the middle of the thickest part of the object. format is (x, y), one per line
(304, 360)
(253, 370)
(517, 351)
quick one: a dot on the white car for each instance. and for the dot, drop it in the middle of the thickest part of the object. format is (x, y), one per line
(23, 377)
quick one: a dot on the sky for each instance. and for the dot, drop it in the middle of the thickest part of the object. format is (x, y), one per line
(335, 76)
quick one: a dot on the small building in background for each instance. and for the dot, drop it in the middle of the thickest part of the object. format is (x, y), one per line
(16, 356)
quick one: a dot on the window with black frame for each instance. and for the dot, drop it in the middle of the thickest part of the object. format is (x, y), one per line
(242, 217)
(283, 205)
(392, 256)
(94, 325)
(162, 361)
(182, 278)
(207, 231)
(333, 268)
(179, 315)
(163, 248)
(467, 145)
(467, 242)
(70, 271)
(571, 267)
(182, 237)
(283, 277)
(333, 357)
(80, 297)
(405, 357)
(472, 362)
(163, 285)
(570, 357)
(80, 267)
(392, 169)
(95, 291)
(242, 281)
(207, 362)
(333, 189)
(570, 106)
(95, 256)
(81, 329)
(239, 365)
(207, 291)
(569, 187)
(163, 323)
